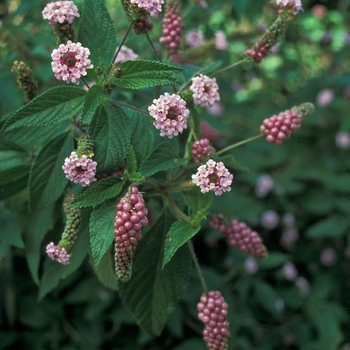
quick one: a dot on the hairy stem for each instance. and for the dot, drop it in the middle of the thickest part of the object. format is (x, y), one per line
(239, 143)
(198, 268)
(228, 67)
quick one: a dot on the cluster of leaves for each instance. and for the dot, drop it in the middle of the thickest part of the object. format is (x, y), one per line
(77, 305)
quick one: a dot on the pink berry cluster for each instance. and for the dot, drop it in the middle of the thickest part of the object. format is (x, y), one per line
(142, 25)
(202, 150)
(60, 12)
(80, 169)
(170, 114)
(153, 7)
(280, 127)
(172, 31)
(194, 38)
(212, 311)
(70, 62)
(240, 236)
(60, 252)
(125, 54)
(213, 176)
(205, 90)
(130, 219)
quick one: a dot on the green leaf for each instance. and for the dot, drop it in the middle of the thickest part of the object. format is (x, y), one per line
(180, 232)
(152, 293)
(47, 179)
(54, 271)
(37, 225)
(105, 271)
(198, 203)
(11, 159)
(131, 162)
(97, 33)
(231, 162)
(93, 99)
(142, 135)
(13, 180)
(50, 108)
(274, 260)
(10, 233)
(137, 74)
(163, 157)
(111, 131)
(99, 192)
(240, 7)
(102, 229)
(333, 226)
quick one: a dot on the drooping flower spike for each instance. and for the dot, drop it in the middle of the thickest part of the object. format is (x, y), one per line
(130, 219)
(60, 252)
(213, 176)
(280, 127)
(212, 311)
(70, 62)
(170, 114)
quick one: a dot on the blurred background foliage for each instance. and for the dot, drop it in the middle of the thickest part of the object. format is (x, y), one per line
(297, 298)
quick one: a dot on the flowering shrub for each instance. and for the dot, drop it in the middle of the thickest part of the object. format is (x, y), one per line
(163, 166)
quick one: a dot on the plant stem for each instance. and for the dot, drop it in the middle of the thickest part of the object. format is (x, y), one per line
(128, 106)
(228, 67)
(120, 45)
(86, 84)
(178, 213)
(198, 268)
(179, 187)
(239, 143)
(154, 49)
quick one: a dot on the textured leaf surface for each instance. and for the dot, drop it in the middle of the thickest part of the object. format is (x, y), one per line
(180, 232)
(37, 225)
(51, 107)
(13, 180)
(152, 293)
(230, 161)
(163, 157)
(97, 33)
(47, 179)
(102, 229)
(54, 271)
(137, 74)
(93, 99)
(111, 131)
(99, 192)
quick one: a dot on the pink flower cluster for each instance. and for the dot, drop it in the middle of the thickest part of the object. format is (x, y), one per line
(205, 90)
(125, 54)
(170, 114)
(202, 150)
(212, 311)
(240, 236)
(57, 253)
(153, 7)
(172, 31)
(194, 38)
(70, 62)
(220, 41)
(131, 217)
(79, 170)
(213, 176)
(280, 127)
(295, 5)
(60, 12)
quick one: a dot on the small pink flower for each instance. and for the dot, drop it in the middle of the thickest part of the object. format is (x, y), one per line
(264, 185)
(289, 271)
(212, 311)
(125, 54)
(216, 110)
(251, 265)
(205, 90)
(293, 4)
(202, 150)
(70, 62)
(57, 253)
(213, 176)
(60, 12)
(153, 7)
(325, 97)
(269, 219)
(170, 114)
(194, 38)
(220, 41)
(342, 139)
(202, 3)
(303, 285)
(328, 257)
(80, 170)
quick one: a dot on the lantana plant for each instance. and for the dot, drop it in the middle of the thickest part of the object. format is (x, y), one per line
(139, 177)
